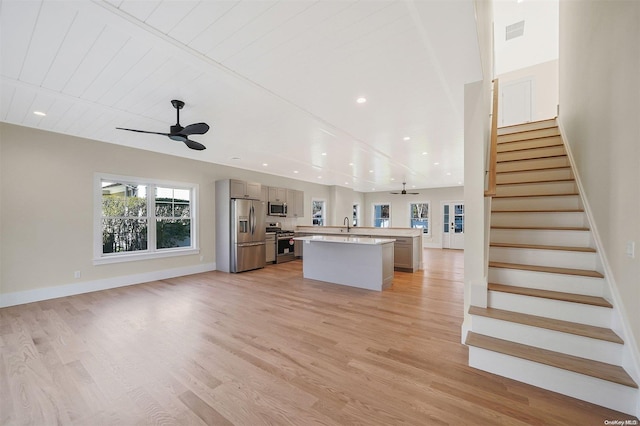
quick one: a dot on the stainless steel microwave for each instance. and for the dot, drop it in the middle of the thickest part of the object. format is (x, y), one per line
(277, 209)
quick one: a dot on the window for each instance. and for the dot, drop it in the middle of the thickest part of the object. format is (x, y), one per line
(419, 216)
(381, 215)
(318, 212)
(139, 219)
(356, 214)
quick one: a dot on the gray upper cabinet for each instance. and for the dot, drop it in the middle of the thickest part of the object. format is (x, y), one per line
(277, 195)
(295, 203)
(242, 189)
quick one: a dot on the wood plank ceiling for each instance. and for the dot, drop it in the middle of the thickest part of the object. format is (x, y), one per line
(276, 80)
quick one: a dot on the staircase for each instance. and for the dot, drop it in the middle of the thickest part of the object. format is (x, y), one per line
(546, 322)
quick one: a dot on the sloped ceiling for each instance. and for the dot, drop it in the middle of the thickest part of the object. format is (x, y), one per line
(276, 80)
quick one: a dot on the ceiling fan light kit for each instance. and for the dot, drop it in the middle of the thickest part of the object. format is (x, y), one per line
(179, 133)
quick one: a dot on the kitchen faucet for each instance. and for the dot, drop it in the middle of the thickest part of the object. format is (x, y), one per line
(346, 219)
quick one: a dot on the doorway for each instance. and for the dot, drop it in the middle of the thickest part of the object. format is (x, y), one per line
(516, 103)
(453, 225)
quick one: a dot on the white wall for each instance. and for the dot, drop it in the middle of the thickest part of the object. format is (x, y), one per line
(545, 87)
(400, 213)
(340, 204)
(600, 116)
(46, 215)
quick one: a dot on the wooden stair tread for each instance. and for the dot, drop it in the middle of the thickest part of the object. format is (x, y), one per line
(543, 247)
(540, 211)
(554, 295)
(598, 333)
(533, 170)
(530, 158)
(547, 144)
(548, 269)
(529, 182)
(597, 369)
(564, 194)
(543, 228)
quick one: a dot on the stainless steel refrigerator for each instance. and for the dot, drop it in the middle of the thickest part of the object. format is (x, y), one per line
(247, 235)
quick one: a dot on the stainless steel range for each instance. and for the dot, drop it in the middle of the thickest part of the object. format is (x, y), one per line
(284, 243)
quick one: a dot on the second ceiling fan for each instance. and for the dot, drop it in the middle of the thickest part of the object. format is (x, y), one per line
(404, 191)
(179, 133)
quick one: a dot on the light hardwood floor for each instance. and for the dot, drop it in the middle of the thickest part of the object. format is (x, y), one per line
(263, 347)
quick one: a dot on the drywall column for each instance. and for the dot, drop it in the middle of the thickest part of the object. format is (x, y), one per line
(476, 123)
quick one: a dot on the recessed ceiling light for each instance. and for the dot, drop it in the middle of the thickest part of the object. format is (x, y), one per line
(370, 171)
(436, 164)
(319, 177)
(265, 164)
(425, 153)
(324, 153)
(448, 173)
(351, 164)
(406, 138)
(361, 100)
(40, 113)
(459, 183)
(346, 183)
(393, 178)
(295, 171)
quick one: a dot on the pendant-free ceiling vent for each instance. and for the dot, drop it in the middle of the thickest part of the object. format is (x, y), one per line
(515, 30)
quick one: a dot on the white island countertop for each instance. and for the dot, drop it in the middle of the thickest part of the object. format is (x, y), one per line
(346, 239)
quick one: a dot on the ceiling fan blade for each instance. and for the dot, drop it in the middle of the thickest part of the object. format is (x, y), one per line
(143, 131)
(195, 129)
(194, 145)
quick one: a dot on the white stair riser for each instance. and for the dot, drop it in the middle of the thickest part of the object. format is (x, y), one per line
(557, 309)
(566, 202)
(552, 258)
(552, 219)
(535, 125)
(551, 151)
(545, 188)
(539, 163)
(566, 343)
(534, 175)
(554, 282)
(600, 392)
(529, 143)
(525, 134)
(547, 237)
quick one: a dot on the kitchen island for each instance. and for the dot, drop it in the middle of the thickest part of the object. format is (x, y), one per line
(407, 247)
(353, 261)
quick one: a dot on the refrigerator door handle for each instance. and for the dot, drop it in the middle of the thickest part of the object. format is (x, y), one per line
(252, 220)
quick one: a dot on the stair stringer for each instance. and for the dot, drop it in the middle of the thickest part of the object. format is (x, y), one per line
(620, 320)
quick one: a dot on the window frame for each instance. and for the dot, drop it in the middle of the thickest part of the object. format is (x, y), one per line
(100, 258)
(428, 203)
(373, 214)
(324, 211)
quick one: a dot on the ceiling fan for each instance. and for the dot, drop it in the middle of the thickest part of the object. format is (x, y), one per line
(404, 191)
(179, 133)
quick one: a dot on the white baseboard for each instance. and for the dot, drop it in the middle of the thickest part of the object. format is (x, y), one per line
(39, 294)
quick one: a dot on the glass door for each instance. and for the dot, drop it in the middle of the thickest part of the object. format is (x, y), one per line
(453, 225)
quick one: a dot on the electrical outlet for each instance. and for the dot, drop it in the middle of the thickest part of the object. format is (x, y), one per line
(631, 249)
(76, 274)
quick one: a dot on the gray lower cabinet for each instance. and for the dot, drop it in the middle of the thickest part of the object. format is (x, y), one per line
(406, 250)
(406, 253)
(270, 247)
